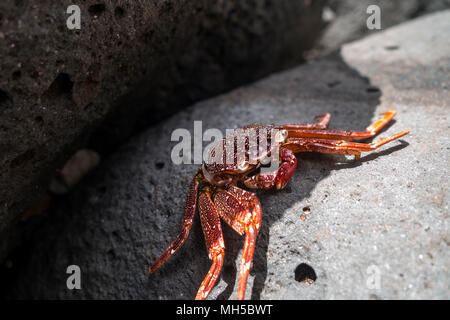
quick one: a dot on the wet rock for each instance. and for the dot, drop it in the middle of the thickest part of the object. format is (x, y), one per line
(372, 228)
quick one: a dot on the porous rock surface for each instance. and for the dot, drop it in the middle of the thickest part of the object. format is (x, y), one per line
(131, 64)
(376, 228)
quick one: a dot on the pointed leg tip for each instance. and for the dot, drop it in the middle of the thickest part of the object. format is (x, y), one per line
(200, 296)
(401, 134)
(153, 268)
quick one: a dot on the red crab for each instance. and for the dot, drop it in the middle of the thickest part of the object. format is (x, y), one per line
(219, 194)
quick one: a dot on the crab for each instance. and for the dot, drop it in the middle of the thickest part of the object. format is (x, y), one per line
(220, 183)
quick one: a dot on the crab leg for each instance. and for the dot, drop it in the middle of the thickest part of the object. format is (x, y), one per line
(337, 146)
(278, 178)
(241, 210)
(321, 124)
(247, 257)
(370, 131)
(188, 218)
(212, 230)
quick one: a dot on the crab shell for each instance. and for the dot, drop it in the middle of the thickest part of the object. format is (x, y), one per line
(234, 157)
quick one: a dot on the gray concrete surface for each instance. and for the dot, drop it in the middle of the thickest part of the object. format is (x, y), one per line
(386, 214)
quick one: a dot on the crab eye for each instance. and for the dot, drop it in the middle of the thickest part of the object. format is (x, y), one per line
(243, 165)
(281, 135)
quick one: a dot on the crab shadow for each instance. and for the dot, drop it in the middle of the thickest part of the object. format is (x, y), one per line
(319, 167)
(322, 166)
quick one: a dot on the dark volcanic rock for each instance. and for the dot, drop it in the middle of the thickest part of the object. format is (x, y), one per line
(336, 225)
(131, 64)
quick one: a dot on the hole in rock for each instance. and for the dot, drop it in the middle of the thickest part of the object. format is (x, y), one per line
(119, 12)
(96, 9)
(62, 85)
(305, 273)
(372, 89)
(159, 165)
(391, 48)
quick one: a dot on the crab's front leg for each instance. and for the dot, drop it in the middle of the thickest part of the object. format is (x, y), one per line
(241, 210)
(212, 230)
(278, 178)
